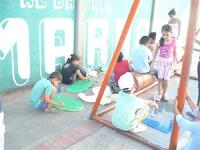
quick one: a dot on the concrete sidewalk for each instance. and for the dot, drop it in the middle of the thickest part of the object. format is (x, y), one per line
(27, 128)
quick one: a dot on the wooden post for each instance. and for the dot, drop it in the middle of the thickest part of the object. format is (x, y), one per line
(116, 54)
(182, 90)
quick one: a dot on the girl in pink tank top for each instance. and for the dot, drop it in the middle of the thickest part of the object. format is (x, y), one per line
(166, 57)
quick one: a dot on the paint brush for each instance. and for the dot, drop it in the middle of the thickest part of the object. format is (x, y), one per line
(153, 110)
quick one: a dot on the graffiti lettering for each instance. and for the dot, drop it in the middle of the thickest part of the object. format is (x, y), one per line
(102, 40)
(9, 33)
(55, 40)
(58, 35)
(97, 41)
(39, 4)
(99, 6)
(67, 4)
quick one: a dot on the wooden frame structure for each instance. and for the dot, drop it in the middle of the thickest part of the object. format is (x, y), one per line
(183, 78)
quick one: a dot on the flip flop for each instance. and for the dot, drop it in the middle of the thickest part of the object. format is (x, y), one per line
(191, 115)
(52, 110)
(159, 97)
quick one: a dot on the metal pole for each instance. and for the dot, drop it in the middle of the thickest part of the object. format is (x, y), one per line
(79, 28)
(152, 15)
(182, 90)
(116, 54)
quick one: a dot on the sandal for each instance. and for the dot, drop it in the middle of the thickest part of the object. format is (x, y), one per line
(191, 115)
(165, 98)
(159, 97)
(51, 110)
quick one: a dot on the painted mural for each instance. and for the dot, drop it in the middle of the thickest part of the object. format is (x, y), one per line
(104, 21)
(37, 36)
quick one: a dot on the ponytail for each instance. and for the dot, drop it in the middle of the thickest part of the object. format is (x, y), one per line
(72, 58)
(68, 61)
(172, 12)
(161, 41)
(165, 28)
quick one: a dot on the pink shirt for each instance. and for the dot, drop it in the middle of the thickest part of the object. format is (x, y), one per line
(167, 50)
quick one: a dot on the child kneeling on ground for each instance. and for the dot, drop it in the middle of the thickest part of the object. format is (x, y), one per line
(130, 110)
(43, 92)
(71, 70)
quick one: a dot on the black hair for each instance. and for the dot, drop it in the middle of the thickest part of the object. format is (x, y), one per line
(55, 75)
(144, 40)
(120, 58)
(137, 111)
(72, 58)
(172, 12)
(161, 41)
(152, 35)
(165, 28)
(126, 90)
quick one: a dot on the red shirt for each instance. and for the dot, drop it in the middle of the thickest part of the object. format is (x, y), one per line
(121, 68)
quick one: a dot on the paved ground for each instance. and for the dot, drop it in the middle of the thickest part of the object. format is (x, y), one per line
(27, 128)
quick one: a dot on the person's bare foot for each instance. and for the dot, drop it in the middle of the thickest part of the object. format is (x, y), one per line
(51, 109)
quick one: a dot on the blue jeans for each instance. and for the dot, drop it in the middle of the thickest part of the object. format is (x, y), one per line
(42, 106)
(113, 84)
(74, 76)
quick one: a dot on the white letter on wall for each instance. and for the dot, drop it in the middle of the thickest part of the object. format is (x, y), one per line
(98, 31)
(57, 36)
(26, 4)
(11, 36)
(118, 31)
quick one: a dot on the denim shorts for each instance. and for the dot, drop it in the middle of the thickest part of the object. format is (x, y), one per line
(42, 106)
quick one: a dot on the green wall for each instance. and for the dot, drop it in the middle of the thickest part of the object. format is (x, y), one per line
(37, 37)
(104, 21)
(161, 17)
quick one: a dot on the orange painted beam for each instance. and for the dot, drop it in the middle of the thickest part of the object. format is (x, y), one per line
(182, 90)
(129, 134)
(116, 54)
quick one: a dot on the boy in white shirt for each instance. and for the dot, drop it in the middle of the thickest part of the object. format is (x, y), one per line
(130, 110)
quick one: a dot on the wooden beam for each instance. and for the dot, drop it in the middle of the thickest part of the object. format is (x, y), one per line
(130, 134)
(112, 106)
(116, 54)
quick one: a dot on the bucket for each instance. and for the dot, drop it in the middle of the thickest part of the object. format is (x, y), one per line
(143, 80)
